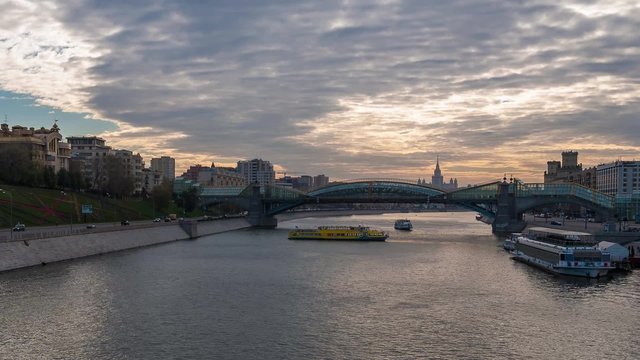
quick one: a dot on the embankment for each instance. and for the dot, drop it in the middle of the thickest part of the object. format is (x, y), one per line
(23, 253)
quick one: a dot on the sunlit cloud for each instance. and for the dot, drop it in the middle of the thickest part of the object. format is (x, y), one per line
(350, 89)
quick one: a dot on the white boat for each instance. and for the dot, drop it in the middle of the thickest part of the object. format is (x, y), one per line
(562, 252)
(509, 243)
(403, 224)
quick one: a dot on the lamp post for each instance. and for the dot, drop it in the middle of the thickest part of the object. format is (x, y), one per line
(70, 212)
(10, 211)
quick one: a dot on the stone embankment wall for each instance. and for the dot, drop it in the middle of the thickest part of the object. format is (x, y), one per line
(23, 253)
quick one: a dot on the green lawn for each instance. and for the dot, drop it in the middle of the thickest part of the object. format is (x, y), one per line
(35, 206)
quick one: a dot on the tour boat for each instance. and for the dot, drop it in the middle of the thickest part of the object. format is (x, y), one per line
(355, 233)
(562, 252)
(403, 224)
(509, 243)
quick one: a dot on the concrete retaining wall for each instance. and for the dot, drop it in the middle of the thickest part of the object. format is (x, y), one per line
(24, 253)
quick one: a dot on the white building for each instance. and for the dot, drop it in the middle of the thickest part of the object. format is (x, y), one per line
(166, 165)
(617, 251)
(619, 178)
(91, 152)
(256, 170)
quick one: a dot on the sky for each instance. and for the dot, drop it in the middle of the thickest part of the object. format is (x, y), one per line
(351, 89)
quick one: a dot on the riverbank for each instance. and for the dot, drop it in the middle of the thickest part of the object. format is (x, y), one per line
(21, 253)
(621, 237)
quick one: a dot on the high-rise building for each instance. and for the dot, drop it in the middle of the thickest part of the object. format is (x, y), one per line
(91, 152)
(166, 165)
(44, 145)
(256, 171)
(320, 181)
(437, 180)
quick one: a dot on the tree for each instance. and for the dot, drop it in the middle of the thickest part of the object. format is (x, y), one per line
(118, 182)
(189, 199)
(49, 177)
(64, 178)
(161, 196)
(17, 166)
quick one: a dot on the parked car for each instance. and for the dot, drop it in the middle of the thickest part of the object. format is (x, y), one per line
(124, 222)
(167, 219)
(19, 227)
(555, 223)
(156, 220)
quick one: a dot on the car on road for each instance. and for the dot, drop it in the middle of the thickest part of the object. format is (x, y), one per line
(91, 226)
(555, 223)
(19, 227)
(124, 222)
(156, 220)
(167, 219)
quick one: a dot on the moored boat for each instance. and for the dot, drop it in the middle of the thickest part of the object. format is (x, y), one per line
(403, 224)
(353, 233)
(509, 243)
(562, 252)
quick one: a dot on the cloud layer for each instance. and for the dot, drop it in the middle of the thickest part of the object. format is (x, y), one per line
(347, 88)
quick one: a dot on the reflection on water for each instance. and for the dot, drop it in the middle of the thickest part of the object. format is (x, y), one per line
(446, 289)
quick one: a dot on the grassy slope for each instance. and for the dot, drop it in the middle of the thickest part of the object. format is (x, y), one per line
(34, 206)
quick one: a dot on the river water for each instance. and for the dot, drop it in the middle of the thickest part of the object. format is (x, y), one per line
(444, 290)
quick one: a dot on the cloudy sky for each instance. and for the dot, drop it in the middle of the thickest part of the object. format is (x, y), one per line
(351, 89)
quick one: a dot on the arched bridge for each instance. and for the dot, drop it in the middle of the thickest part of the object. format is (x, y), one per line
(503, 203)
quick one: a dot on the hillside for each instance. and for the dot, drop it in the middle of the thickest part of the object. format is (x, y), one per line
(35, 206)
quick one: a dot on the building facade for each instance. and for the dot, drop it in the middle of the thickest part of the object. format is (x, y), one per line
(619, 178)
(165, 165)
(91, 152)
(437, 180)
(132, 165)
(256, 171)
(151, 179)
(219, 177)
(44, 145)
(320, 181)
(570, 171)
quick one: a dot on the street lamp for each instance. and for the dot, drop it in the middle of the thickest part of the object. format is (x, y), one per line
(70, 212)
(10, 212)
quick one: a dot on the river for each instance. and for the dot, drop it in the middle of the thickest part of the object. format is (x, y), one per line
(444, 290)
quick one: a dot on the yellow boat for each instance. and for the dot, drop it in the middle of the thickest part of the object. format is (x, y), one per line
(356, 233)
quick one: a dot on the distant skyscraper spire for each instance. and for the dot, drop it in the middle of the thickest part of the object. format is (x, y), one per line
(437, 179)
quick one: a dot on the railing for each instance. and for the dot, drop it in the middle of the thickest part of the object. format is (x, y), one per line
(488, 191)
(579, 191)
(377, 188)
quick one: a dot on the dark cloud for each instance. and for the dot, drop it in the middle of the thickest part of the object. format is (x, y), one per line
(264, 78)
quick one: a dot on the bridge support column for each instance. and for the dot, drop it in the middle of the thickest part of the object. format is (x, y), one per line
(507, 220)
(257, 216)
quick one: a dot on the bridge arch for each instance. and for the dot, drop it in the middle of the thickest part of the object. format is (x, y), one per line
(366, 189)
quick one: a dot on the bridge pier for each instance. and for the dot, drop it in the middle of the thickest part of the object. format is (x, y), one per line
(257, 216)
(507, 219)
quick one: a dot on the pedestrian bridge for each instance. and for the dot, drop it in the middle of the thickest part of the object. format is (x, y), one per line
(500, 201)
